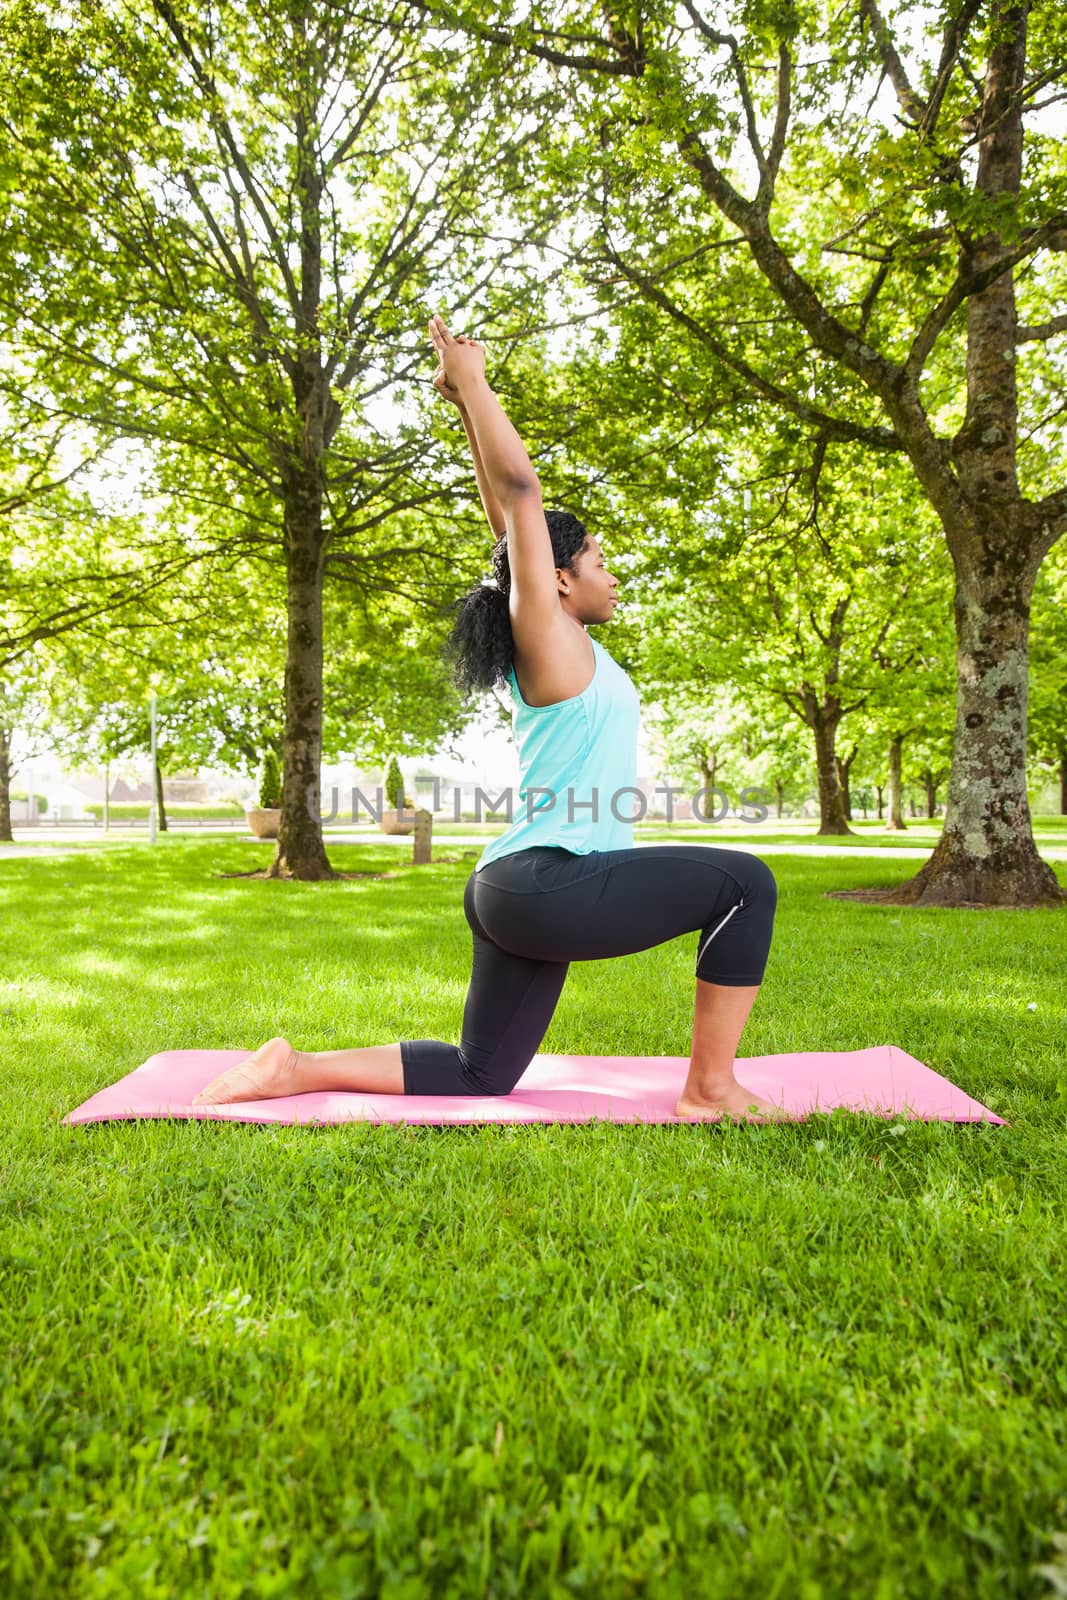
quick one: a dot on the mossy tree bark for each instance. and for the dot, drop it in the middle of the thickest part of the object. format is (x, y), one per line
(997, 539)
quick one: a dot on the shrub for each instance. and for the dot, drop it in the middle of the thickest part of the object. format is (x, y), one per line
(394, 787)
(133, 810)
(270, 784)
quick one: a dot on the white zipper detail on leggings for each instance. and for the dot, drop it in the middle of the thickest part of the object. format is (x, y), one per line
(722, 925)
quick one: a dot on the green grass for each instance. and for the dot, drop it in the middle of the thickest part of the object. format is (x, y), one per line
(808, 1360)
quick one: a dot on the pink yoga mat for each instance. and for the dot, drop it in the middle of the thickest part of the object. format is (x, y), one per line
(883, 1081)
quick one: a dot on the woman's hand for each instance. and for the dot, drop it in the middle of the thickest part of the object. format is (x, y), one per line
(462, 361)
(445, 389)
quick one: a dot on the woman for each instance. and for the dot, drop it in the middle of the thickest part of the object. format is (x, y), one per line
(564, 882)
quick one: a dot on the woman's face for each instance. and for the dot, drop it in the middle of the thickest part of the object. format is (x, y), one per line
(590, 587)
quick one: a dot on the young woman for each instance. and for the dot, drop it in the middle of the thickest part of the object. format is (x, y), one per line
(564, 882)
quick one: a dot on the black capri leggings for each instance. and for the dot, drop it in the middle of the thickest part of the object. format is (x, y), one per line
(534, 912)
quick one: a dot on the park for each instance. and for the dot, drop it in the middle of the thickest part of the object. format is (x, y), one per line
(760, 307)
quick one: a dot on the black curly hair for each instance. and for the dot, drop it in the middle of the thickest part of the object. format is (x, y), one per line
(480, 642)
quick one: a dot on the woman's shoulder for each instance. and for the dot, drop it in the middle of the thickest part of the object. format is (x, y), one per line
(564, 678)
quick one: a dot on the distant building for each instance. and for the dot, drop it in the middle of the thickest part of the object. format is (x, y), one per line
(123, 793)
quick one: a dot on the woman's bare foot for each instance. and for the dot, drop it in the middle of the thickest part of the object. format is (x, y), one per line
(736, 1103)
(267, 1075)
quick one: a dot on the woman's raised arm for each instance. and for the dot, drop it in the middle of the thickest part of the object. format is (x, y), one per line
(494, 513)
(509, 472)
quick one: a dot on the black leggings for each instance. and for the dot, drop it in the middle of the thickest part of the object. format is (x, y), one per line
(534, 912)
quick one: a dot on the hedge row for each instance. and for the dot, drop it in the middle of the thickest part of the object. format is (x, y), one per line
(130, 811)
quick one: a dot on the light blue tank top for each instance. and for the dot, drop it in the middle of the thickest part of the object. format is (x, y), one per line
(578, 764)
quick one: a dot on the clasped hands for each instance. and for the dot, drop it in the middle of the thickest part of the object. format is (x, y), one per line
(462, 361)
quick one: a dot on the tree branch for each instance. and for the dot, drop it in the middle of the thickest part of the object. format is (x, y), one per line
(781, 125)
(741, 79)
(224, 133)
(955, 32)
(1049, 517)
(628, 61)
(794, 291)
(911, 103)
(1026, 334)
(833, 427)
(76, 614)
(968, 284)
(244, 286)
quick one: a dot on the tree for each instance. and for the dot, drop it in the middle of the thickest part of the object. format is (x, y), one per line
(931, 759)
(233, 218)
(821, 604)
(696, 737)
(215, 658)
(23, 708)
(859, 268)
(67, 558)
(733, 740)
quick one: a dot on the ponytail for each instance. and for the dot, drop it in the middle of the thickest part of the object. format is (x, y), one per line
(481, 642)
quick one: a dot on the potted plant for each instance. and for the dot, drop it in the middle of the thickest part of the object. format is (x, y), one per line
(396, 802)
(265, 819)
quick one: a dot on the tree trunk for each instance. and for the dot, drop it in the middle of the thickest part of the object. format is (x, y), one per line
(823, 721)
(932, 781)
(706, 761)
(6, 836)
(779, 795)
(881, 800)
(1063, 785)
(161, 810)
(844, 768)
(896, 823)
(986, 853)
(301, 852)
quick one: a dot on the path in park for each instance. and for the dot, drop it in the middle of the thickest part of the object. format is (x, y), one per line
(27, 849)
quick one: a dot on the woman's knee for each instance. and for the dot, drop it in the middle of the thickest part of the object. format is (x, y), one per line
(758, 883)
(483, 1074)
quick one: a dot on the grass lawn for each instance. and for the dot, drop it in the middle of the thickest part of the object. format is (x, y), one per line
(811, 1361)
